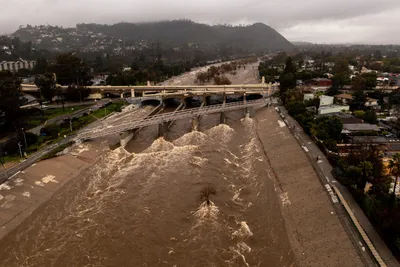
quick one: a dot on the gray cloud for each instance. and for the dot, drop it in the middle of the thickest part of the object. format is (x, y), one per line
(326, 21)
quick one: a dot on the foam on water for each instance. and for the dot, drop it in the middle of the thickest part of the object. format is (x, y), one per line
(243, 232)
(206, 215)
(192, 138)
(221, 133)
(159, 145)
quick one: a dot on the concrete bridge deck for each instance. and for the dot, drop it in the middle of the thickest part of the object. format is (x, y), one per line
(162, 118)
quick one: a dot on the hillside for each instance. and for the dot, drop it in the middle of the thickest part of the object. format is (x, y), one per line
(178, 34)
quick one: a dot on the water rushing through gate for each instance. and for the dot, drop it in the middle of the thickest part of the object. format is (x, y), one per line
(145, 208)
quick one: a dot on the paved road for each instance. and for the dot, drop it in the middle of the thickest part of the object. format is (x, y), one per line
(94, 106)
(326, 169)
(4, 176)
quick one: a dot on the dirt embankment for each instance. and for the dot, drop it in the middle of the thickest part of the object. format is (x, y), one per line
(29, 189)
(315, 232)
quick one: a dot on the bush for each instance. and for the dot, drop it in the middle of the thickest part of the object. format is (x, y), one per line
(31, 138)
(50, 131)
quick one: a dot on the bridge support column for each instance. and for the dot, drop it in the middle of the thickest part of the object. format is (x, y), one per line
(204, 102)
(224, 99)
(195, 123)
(122, 95)
(222, 118)
(163, 129)
(247, 113)
(125, 137)
(132, 92)
(244, 98)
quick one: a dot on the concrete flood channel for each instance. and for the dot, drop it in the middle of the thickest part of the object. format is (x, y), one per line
(236, 194)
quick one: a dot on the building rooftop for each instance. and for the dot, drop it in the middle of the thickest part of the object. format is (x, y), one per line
(340, 115)
(358, 127)
(351, 120)
(344, 96)
(332, 106)
(375, 139)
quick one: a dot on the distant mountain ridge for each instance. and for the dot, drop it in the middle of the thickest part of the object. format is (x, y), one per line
(256, 38)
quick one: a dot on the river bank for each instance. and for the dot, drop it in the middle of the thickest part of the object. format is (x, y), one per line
(29, 189)
(314, 229)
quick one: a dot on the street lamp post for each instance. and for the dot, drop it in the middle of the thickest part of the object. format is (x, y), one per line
(20, 151)
(80, 96)
(26, 143)
(3, 161)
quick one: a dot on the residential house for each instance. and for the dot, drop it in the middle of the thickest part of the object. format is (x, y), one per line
(360, 127)
(14, 66)
(323, 82)
(344, 98)
(308, 97)
(371, 102)
(326, 100)
(332, 109)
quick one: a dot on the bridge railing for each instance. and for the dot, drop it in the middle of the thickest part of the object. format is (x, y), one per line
(157, 119)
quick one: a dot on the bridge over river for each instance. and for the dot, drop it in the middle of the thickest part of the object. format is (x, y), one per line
(169, 90)
(126, 125)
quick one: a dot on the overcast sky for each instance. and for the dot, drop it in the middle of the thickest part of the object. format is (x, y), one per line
(320, 21)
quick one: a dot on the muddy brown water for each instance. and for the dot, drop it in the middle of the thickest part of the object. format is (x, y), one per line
(143, 207)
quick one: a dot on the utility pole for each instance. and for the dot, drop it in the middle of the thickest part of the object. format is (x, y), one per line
(80, 95)
(23, 132)
(3, 161)
(20, 151)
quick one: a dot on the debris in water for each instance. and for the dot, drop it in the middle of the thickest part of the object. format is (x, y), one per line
(49, 178)
(5, 186)
(243, 232)
(206, 193)
(285, 199)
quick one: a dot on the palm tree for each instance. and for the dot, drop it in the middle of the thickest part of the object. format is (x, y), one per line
(366, 171)
(394, 165)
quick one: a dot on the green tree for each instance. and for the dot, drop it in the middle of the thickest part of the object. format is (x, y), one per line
(358, 83)
(341, 66)
(47, 85)
(394, 165)
(296, 107)
(70, 69)
(339, 80)
(41, 66)
(325, 128)
(370, 117)
(370, 80)
(359, 114)
(10, 86)
(288, 78)
(353, 174)
(366, 172)
(359, 99)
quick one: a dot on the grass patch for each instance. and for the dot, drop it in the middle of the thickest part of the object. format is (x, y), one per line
(57, 132)
(54, 152)
(33, 117)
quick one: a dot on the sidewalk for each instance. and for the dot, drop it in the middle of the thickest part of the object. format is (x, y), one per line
(326, 169)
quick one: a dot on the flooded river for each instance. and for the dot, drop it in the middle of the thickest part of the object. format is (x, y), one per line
(202, 198)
